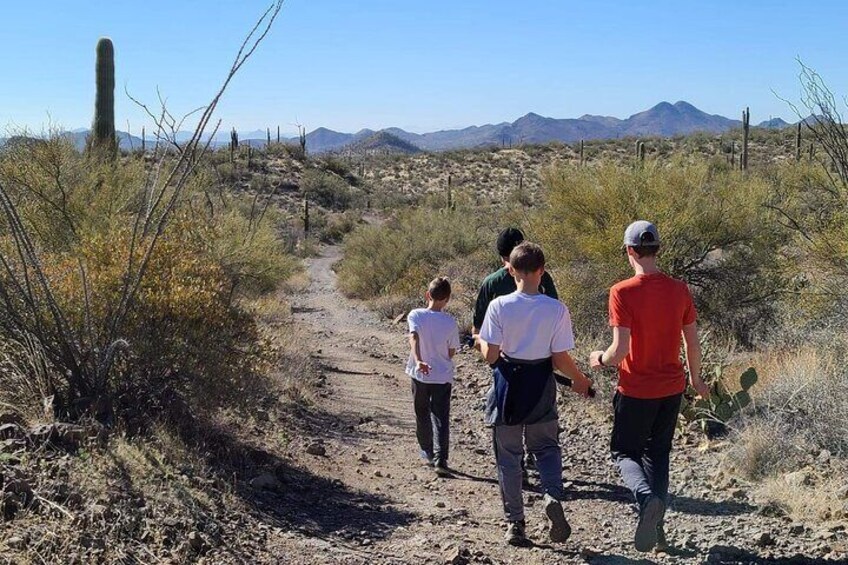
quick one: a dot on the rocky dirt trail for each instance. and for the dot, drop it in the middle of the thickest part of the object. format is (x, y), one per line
(369, 499)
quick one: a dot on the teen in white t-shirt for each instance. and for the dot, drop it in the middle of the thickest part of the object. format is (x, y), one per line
(433, 341)
(528, 326)
(438, 334)
(524, 336)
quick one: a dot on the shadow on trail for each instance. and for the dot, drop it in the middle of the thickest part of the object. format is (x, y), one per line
(689, 505)
(294, 498)
(733, 555)
(459, 475)
(683, 504)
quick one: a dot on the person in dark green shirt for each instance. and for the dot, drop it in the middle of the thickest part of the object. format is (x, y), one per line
(501, 282)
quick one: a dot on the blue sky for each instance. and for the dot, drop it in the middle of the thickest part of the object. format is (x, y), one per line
(419, 65)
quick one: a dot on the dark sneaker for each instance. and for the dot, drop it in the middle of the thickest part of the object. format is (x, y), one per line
(426, 458)
(649, 518)
(516, 534)
(560, 530)
(442, 470)
(662, 543)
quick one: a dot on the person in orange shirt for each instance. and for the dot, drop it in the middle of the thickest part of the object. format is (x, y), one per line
(648, 314)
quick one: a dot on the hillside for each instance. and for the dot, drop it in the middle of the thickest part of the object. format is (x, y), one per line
(383, 142)
(663, 120)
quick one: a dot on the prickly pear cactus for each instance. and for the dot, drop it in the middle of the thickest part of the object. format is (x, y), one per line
(723, 405)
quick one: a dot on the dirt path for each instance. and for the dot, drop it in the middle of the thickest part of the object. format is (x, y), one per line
(394, 510)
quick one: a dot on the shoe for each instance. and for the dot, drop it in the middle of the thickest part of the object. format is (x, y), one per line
(560, 530)
(662, 543)
(649, 518)
(442, 470)
(426, 458)
(516, 534)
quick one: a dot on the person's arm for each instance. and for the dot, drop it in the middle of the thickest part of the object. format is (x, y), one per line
(415, 349)
(565, 364)
(480, 307)
(490, 351)
(491, 334)
(692, 345)
(453, 341)
(549, 286)
(615, 353)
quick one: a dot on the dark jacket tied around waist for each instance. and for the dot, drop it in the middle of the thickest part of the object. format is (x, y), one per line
(523, 392)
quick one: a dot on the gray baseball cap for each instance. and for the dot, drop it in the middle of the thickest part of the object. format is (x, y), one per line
(641, 233)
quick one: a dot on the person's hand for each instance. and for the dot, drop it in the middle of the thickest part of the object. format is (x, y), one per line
(595, 359)
(476, 338)
(423, 368)
(701, 387)
(581, 385)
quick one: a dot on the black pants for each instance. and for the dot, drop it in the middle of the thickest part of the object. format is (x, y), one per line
(432, 418)
(641, 443)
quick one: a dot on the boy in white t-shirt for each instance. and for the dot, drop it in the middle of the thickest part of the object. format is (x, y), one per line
(524, 337)
(433, 341)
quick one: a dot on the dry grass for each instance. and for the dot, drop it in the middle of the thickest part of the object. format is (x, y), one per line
(817, 502)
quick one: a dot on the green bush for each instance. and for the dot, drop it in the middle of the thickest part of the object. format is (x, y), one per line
(401, 256)
(717, 235)
(328, 190)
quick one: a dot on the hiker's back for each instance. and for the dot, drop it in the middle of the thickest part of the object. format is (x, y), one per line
(532, 323)
(655, 308)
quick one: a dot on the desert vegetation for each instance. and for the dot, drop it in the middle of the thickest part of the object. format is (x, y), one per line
(762, 249)
(152, 372)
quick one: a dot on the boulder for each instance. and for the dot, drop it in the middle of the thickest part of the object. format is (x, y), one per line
(799, 478)
(316, 449)
(458, 556)
(265, 481)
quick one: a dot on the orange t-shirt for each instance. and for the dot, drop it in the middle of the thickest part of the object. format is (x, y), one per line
(655, 308)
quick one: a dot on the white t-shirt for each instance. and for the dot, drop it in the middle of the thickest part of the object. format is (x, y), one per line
(528, 326)
(437, 332)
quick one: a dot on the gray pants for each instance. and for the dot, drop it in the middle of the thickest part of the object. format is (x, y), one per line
(432, 418)
(543, 443)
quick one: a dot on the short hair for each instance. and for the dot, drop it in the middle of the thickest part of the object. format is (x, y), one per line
(439, 288)
(645, 250)
(527, 257)
(507, 240)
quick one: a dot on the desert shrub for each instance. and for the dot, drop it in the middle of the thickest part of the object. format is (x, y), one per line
(336, 226)
(717, 235)
(798, 412)
(186, 335)
(328, 190)
(401, 256)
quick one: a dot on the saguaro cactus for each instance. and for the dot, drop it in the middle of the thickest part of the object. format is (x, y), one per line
(798, 143)
(746, 126)
(302, 135)
(102, 138)
(640, 150)
(582, 156)
(306, 216)
(450, 195)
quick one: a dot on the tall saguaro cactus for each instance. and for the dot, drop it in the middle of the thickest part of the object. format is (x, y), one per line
(746, 126)
(798, 143)
(102, 139)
